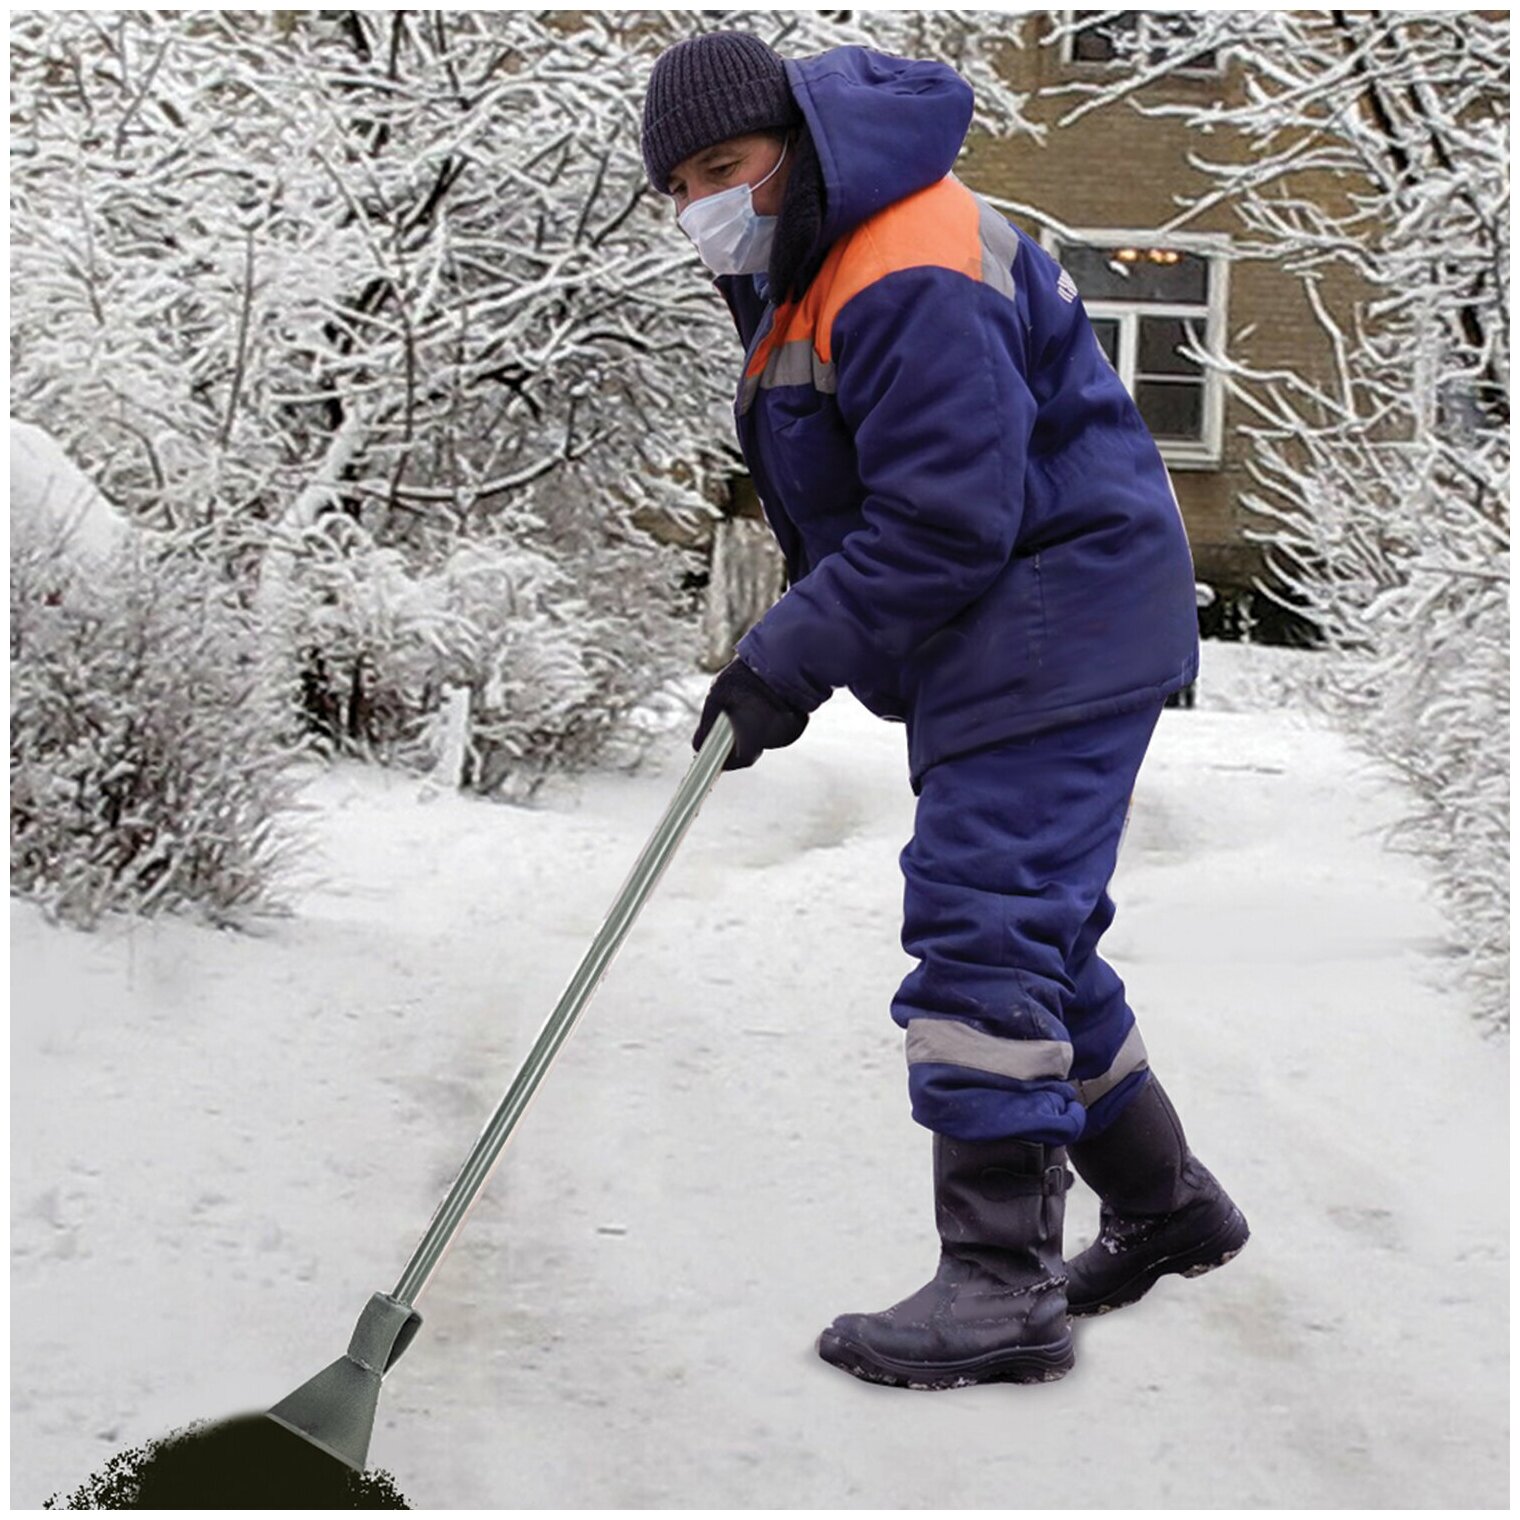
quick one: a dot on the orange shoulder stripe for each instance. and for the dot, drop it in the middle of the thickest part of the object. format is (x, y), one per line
(937, 227)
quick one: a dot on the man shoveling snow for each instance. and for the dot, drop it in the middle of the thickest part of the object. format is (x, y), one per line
(983, 543)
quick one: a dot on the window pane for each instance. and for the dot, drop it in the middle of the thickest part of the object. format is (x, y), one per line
(1094, 44)
(1160, 338)
(1107, 332)
(1136, 273)
(1171, 408)
(1091, 47)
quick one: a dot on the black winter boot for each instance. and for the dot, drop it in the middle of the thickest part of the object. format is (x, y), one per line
(1162, 1211)
(995, 1311)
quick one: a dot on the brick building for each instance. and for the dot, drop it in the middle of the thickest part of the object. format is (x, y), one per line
(1111, 179)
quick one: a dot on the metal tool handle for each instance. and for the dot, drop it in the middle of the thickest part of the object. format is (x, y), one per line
(641, 882)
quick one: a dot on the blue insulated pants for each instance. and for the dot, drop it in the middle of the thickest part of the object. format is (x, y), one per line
(1016, 1027)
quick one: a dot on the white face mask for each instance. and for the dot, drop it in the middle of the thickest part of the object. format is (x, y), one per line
(730, 236)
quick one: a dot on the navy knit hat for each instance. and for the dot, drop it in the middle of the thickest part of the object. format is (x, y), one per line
(707, 88)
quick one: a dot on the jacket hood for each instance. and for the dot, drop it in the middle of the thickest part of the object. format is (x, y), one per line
(883, 127)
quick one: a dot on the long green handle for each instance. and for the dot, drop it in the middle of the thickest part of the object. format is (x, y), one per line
(641, 882)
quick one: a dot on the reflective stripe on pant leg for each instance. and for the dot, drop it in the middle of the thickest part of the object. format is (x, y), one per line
(1131, 1058)
(949, 1042)
(1100, 1024)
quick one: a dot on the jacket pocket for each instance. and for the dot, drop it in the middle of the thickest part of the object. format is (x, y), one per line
(813, 456)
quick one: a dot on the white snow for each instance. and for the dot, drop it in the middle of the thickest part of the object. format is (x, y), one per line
(223, 1143)
(47, 487)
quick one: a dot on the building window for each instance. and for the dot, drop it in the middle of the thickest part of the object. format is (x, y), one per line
(1099, 42)
(1148, 299)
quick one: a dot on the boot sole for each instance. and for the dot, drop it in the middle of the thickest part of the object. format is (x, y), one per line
(1028, 1364)
(1223, 1246)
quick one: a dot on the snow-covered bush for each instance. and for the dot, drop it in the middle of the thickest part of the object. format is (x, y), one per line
(1406, 568)
(544, 678)
(540, 650)
(148, 769)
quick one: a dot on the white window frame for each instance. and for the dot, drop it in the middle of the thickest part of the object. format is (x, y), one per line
(1208, 452)
(1069, 57)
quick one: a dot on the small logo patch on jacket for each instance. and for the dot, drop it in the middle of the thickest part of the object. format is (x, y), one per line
(1066, 287)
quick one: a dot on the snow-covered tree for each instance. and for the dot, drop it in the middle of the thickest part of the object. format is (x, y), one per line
(1382, 489)
(401, 268)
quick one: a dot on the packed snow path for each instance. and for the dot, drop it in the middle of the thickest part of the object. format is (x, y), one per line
(223, 1143)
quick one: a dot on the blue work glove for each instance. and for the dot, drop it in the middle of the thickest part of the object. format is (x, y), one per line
(762, 719)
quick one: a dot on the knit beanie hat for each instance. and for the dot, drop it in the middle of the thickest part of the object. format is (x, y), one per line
(708, 88)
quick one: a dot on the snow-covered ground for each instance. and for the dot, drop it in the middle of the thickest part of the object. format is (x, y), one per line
(223, 1143)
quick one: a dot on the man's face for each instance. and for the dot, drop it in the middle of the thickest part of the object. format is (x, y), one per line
(742, 160)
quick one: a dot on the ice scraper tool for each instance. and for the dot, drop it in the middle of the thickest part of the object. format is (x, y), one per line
(306, 1451)
(336, 1409)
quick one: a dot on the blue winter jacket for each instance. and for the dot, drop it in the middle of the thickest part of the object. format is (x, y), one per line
(980, 534)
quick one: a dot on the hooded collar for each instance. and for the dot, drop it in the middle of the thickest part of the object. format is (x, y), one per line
(883, 128)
